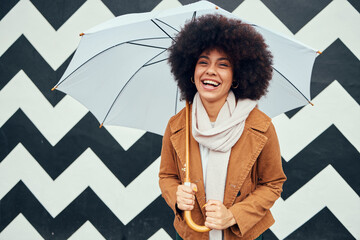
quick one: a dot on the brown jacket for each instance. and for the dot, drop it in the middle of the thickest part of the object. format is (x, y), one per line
(254, 178)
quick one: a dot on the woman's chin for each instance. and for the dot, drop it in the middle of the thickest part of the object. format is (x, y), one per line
(212, 97)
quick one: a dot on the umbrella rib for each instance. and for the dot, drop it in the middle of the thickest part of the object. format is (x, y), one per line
(145, 45)
(166, 24)
(194, 16)
(292, 84)
(155, 62)
(128, 82)
(162, 29)
(140, 39)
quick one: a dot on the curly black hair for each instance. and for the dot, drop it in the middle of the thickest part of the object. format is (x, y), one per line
(248, 53)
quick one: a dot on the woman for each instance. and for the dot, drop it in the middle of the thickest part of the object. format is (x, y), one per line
(222, 66)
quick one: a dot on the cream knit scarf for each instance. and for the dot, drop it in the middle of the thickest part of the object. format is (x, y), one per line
(219, 140)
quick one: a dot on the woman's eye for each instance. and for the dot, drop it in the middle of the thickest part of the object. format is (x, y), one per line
(224, 64)
(202, 62)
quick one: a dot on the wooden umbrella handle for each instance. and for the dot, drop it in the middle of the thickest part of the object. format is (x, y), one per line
(187, 215)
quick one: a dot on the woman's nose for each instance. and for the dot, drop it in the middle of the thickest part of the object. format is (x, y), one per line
(211, 70)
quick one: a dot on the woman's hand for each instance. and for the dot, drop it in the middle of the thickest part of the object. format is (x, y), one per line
(185, 197)
(218, 216)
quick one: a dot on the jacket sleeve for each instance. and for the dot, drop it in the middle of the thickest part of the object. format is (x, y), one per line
(168, 174)
(268, 189)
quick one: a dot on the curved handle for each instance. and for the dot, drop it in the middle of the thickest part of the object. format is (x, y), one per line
(187, 214)
(192, 224)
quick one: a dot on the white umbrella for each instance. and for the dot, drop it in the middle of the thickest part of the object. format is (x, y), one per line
(120, 73)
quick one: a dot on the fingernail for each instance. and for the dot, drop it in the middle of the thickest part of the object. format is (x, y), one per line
(195, 189)
(204, 205)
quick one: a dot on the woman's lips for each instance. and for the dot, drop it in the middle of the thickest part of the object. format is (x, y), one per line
(210, 84)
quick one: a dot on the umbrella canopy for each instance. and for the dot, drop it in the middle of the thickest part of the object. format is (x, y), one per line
(120, 71)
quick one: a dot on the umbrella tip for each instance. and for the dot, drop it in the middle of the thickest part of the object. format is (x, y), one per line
(311, 103)
(81, 34)
(101, 125)
(54, 88)
(216, 7)
(319, 52)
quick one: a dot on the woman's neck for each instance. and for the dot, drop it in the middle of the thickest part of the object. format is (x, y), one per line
(213, 108)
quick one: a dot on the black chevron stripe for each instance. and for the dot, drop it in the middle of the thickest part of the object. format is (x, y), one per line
(330, 148)
(130, 6)
(324, 225)
(355, 4)
(337, 62)
(21, 55)
(295, 14)
(6, 6)
(227, 5)
(86, 207)
(57, 12)
(269, 235)
(125, 165)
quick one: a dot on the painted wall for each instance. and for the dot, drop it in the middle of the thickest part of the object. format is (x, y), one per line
(61, 177)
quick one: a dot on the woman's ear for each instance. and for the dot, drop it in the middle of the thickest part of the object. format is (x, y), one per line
(235, 84)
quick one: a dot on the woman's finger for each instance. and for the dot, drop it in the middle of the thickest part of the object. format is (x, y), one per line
(211, 214)
(194, 187)
(212, 208)
(185, 207)
(187, 201)
(211, 224)
(211, 220)
(185, 195)
(183, 188)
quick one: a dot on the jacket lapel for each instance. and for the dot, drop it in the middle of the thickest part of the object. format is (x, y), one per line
(242, 158)
(244, 154)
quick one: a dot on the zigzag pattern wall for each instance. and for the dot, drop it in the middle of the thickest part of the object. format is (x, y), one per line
(61, 177)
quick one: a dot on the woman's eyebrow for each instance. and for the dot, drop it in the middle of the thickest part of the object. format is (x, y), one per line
(223, 58)
(219, 59)
(203, 56)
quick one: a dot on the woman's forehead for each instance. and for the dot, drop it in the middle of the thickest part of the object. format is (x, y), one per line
(214, 52)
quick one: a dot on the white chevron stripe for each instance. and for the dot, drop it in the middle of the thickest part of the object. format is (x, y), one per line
(332, 106)
(86, 231)
(160, 235)
(87, 171)
(256, 12)
(338, 20)
(326, 189)
(52, 122)
(126, 137)
(20, 229)
(54, 46)
(166, 4)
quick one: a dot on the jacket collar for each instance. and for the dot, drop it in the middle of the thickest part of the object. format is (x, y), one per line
(242, 157)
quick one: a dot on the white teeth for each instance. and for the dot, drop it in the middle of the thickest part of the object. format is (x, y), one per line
(211, 83)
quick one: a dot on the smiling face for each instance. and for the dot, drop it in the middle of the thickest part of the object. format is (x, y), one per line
(213, 77)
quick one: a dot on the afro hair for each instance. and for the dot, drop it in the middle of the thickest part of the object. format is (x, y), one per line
(246, 49)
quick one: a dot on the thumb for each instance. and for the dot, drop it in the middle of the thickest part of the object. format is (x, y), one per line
(194, 187)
